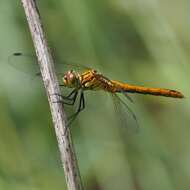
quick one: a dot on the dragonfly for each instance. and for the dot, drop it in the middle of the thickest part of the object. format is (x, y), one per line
(91, 80)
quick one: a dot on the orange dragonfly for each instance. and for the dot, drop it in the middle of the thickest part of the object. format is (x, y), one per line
(90, 79)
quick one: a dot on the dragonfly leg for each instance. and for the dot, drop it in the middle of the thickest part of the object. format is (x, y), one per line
(79, 109)
(71, 98)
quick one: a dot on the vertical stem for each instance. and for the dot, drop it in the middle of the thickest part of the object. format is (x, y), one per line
(46, 64)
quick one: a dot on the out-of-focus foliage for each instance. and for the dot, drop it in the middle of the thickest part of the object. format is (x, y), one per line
(140, 42)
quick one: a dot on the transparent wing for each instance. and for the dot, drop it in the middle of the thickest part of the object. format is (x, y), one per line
(127, 96)
(124, 114)
(27, 63)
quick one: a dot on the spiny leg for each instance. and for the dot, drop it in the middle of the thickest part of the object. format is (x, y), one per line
(71, 97)
(81, 106)
(79, 109)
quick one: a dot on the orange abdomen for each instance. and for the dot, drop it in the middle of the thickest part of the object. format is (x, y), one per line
(119, 87)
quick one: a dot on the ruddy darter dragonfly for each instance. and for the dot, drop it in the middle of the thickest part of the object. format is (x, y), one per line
(90, 79)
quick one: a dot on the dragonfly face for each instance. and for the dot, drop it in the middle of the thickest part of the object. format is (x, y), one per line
(71, 79)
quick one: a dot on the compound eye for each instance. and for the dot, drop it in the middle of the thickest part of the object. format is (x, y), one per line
(70, 76)
(65, 79)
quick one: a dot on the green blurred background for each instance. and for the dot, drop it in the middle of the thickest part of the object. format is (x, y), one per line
(140, 42)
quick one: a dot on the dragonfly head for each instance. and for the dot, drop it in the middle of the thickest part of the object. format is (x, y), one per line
(71, 79)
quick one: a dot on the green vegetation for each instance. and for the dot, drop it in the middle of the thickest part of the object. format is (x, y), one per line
(140, 42)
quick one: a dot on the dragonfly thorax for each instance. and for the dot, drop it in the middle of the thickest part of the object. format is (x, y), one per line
(71, 79)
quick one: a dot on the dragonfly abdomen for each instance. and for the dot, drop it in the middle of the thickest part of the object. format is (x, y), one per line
(124, 87)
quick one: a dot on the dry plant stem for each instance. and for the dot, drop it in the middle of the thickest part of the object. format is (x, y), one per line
(46, 64)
